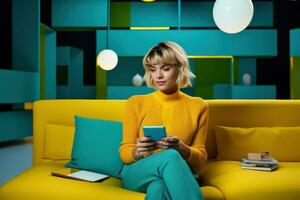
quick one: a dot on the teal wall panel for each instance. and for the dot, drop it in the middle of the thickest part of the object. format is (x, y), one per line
(62, 56)
(124, 92)
(263, 14)
(26, 35)
(295, 42)
(154, 14)
(72, 58)
(15, 125)
(196, 42)
(18, 86)
(222, 91)
(254, 92)
(199, 14)
(63, 92)
(76, 70)
(247, 66)
(79, 14)
(127, 68)
(50, 58)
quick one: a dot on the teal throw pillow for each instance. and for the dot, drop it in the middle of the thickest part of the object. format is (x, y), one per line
(96, 146)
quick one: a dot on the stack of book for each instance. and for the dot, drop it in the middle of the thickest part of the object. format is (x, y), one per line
(259, 161)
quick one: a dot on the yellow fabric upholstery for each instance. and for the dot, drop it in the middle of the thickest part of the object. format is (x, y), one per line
(281, 142)
(58, 149)
(220, 179)
(237, 183)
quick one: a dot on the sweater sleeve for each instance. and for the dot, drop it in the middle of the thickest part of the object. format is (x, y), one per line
(198, 153)
(130, 131)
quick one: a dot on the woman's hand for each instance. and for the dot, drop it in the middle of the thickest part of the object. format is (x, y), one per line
(175, 143)
(144, 147)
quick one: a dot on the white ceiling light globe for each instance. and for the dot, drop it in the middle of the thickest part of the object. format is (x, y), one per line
(107, 59)
(232, 16)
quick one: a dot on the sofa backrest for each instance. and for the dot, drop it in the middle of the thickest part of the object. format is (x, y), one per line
(250, 113)
(235, 113)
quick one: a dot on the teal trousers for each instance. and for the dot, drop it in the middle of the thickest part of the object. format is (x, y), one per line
(164, 175)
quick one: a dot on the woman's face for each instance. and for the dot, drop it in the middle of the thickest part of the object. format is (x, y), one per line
(164, 77)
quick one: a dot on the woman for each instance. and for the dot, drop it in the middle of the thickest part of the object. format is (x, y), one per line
(164, 169)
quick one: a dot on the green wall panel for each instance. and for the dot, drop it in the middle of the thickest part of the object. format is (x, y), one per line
(15, 125)
(119, 19)
(295, 78)
(79, 14)
(18, 86)
(205, 91)
(212, 71)
(196, 42)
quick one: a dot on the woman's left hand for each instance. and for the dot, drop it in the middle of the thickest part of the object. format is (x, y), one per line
(168, 142)
(173, 142)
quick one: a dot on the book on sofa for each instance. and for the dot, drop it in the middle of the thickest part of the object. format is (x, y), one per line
(259, 161)
(81, 175)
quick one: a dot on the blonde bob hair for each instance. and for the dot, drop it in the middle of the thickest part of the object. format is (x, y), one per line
(172, 54)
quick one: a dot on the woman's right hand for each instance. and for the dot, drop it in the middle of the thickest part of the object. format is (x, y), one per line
(144, 147)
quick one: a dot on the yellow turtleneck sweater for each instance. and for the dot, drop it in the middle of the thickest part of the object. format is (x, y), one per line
(183, 116)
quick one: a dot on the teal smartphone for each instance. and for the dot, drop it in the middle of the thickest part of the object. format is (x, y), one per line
(155, 132)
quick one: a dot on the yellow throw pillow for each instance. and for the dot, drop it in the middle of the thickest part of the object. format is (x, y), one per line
(58, 142)
(282, 142)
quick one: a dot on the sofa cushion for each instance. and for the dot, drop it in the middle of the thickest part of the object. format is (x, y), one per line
(235, 142)
(37, 183)
(58, 142)
(236, 183)
(96, 146)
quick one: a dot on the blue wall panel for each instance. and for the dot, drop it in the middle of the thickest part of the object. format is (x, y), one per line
(50, 78)
(26, 35)
(124, 92)
(199, 14)
(78, 13)
(73, 59)
(253, 92)
(295, 42)
(222, 91)
(15, 125)
(127, 68)
(18, 86)
(154, 14)
(62, 56)
(196, 42)
(247, 66)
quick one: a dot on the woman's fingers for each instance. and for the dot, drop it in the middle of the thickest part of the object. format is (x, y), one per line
(144, 139)
(146, 144)
(168, 143)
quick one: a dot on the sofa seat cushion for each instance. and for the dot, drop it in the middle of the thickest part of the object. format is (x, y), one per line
(237, 183)
(37, 183)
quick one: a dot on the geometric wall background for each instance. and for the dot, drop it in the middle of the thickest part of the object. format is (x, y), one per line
(42, 69)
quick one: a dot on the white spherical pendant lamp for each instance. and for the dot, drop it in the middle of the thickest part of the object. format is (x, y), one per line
(107, 59)
(233, 16)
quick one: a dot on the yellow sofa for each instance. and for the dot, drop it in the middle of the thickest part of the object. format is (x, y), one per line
(219, 179)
